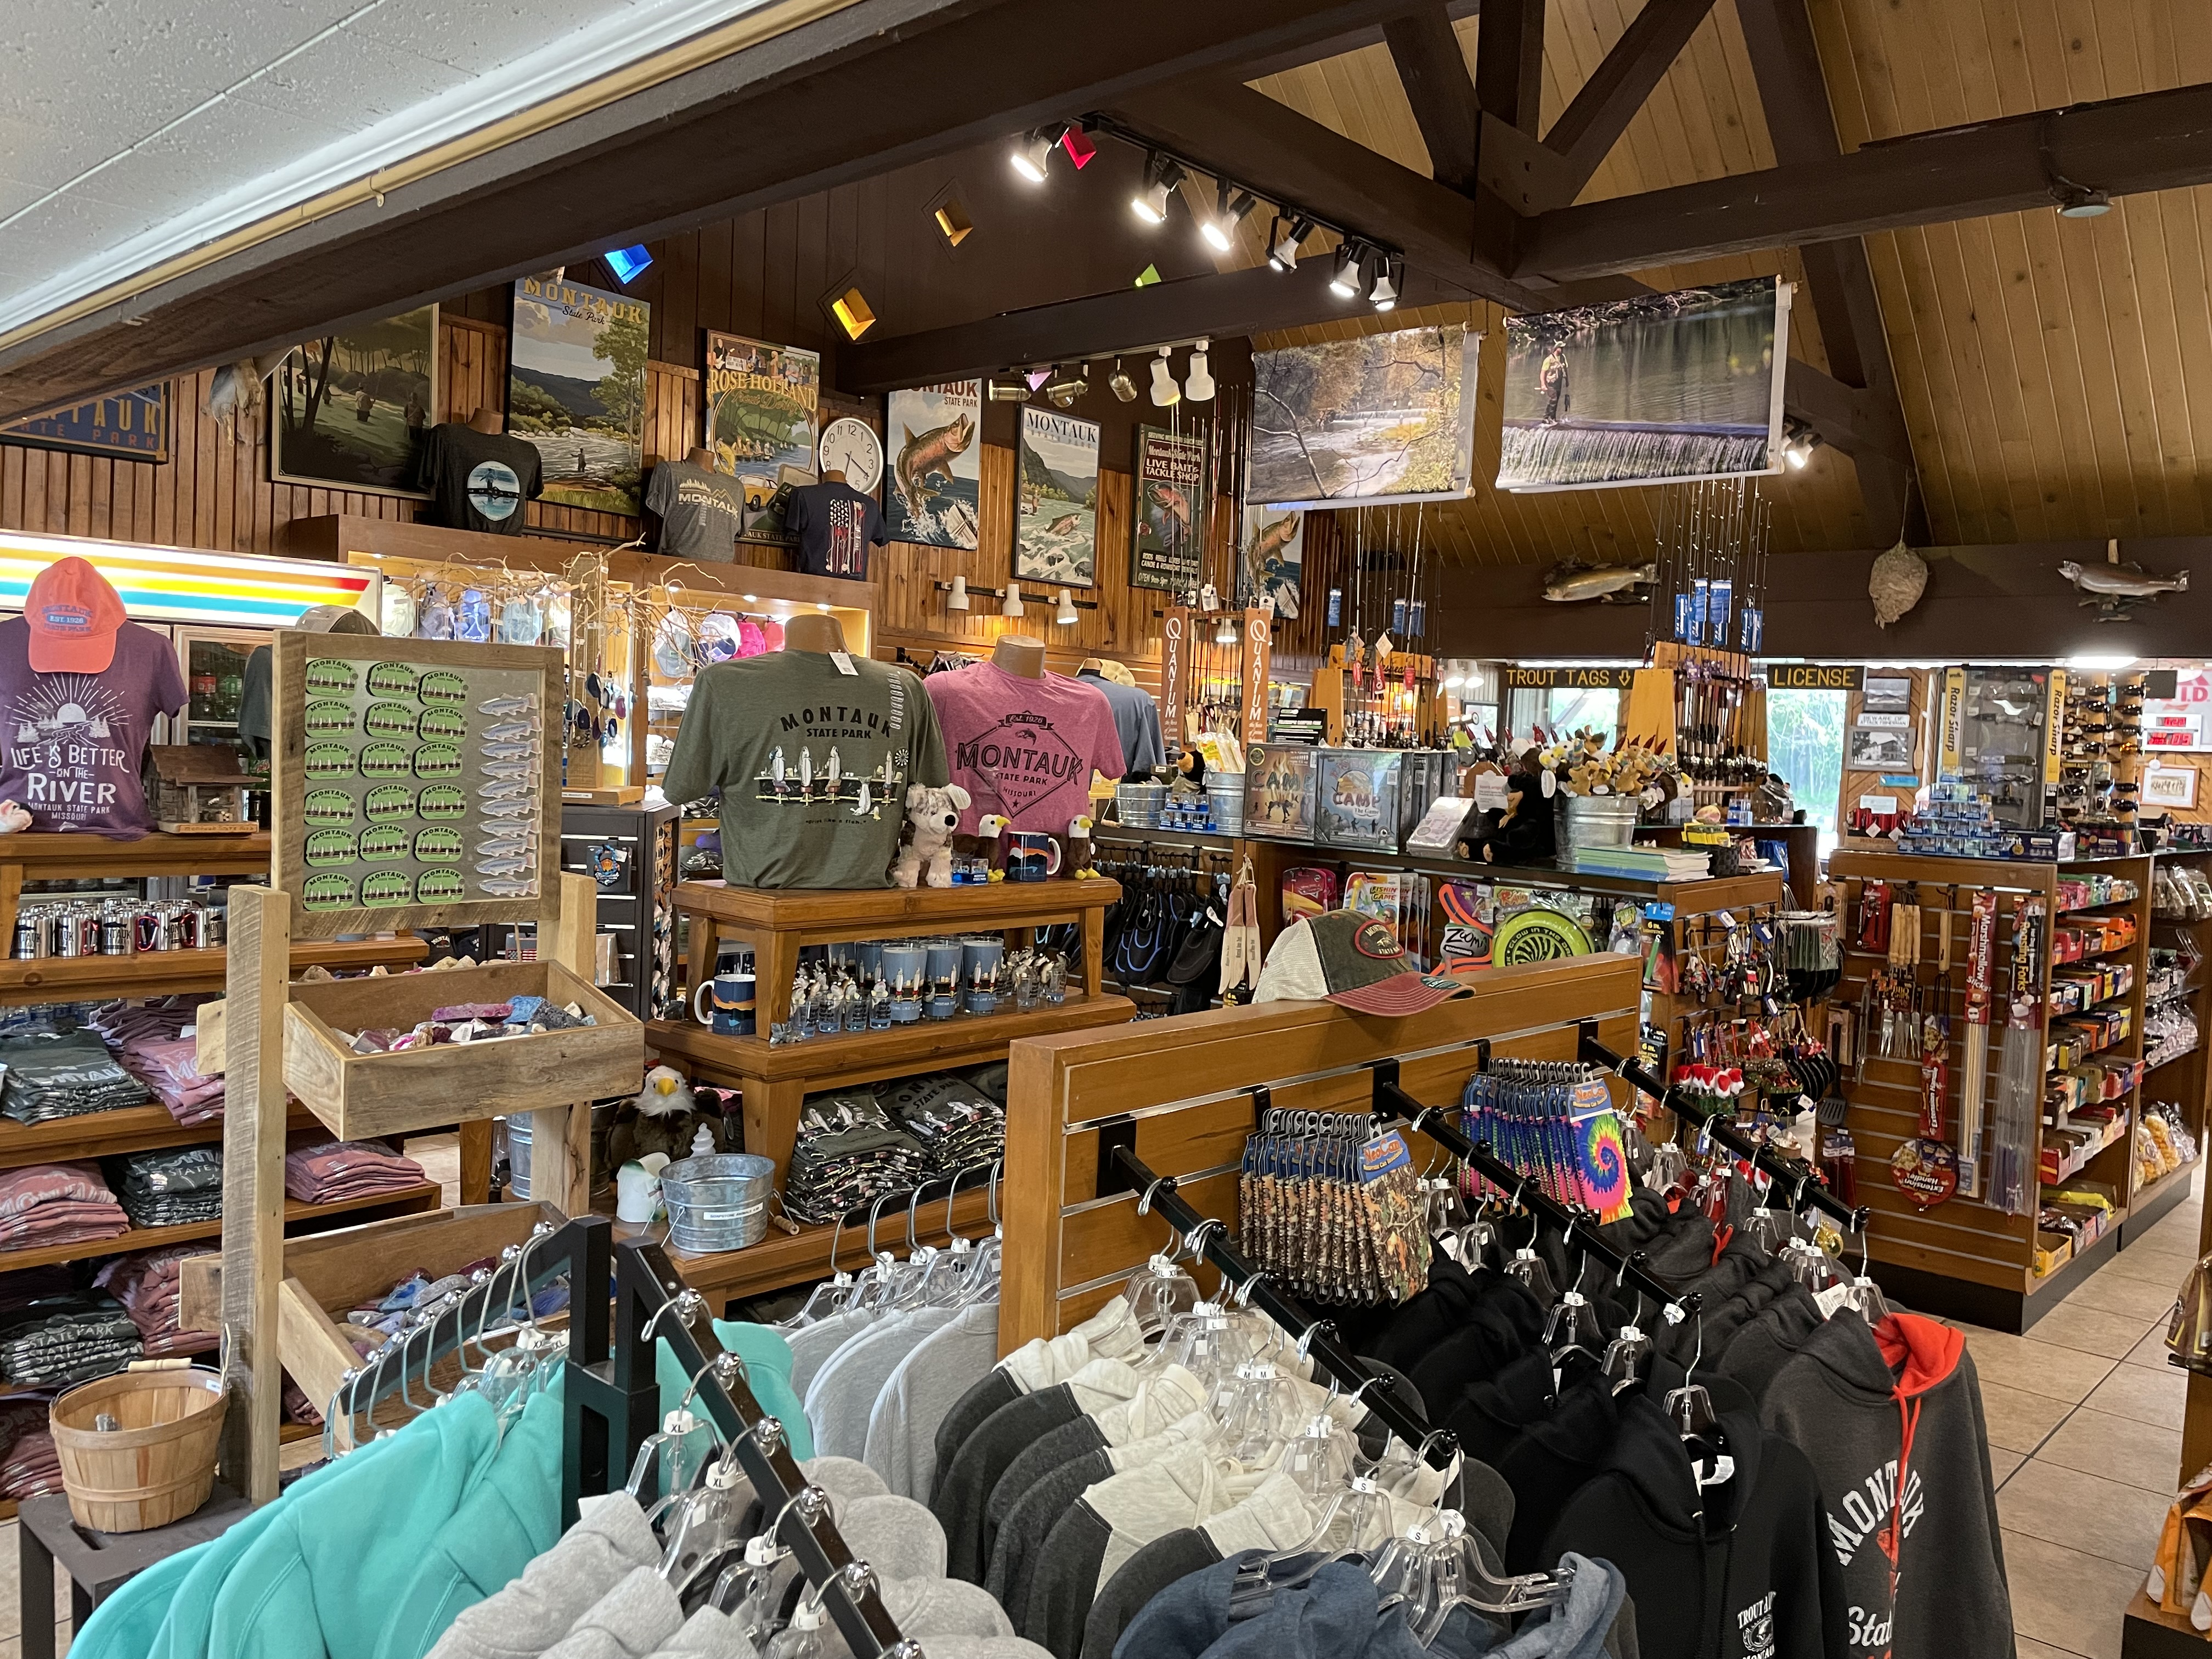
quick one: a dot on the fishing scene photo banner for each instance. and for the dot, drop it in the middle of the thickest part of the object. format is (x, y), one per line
(1661, 388)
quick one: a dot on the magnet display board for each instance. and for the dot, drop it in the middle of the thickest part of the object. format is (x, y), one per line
(417, 782)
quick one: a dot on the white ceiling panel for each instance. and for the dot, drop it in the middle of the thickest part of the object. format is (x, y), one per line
(133, 131)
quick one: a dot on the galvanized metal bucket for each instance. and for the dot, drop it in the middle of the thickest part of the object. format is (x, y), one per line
(1601, 820)
(717, 1201)
(1138, 804)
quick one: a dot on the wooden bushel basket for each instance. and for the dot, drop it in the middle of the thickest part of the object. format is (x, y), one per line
(159, 1466)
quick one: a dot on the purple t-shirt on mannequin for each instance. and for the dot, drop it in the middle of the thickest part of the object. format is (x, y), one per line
(74, 742)
(1024, 748)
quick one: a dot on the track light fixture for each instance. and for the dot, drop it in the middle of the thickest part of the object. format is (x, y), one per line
(1384, 294)
(1162, 176)
(1033, 152)
(1799, 441)
(1066, 389)
(1121, 385)
(1198, 385)
(1283, 241)
(1166, 394)
(1065, 613)
(1004, 392)
(1344, 280)
(1011, 605)
(1220, 231)
(958, 599)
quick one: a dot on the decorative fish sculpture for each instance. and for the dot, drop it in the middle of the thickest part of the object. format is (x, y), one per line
(2112, 588)
(1569, 583)
(929, 457)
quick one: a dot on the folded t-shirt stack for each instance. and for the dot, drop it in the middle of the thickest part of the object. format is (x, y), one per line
(56, 1204)
(55, 1074)
(171, 1186)
(29, 1468)
(147, 1284)
(149, 1042)
(958, 1125)
(58, 1341)
(335, 1170)
(848, 1154)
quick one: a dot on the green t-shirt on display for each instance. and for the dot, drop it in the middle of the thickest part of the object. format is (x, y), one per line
(813, 764)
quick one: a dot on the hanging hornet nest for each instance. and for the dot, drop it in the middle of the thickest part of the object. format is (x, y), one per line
(1895, 584)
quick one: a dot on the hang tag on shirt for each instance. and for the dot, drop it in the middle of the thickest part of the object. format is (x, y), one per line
(1830, 1299)
(844, 661)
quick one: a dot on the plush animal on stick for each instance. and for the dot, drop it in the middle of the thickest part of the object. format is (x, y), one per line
(931, 814)
(663, 1118)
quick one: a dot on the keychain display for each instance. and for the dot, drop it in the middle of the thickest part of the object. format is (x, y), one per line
(1333, 1209)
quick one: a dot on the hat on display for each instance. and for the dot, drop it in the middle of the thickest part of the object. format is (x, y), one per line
(752, 638)
(1342, 957)
(73, 613)
(335, 619)
(771, 635)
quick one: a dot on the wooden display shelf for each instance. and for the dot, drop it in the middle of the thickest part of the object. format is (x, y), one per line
(783, 1260)
(168, 973)
(105, 1135)
(45, 855)
(773, 1081)
(408, 1201)
(780, 923)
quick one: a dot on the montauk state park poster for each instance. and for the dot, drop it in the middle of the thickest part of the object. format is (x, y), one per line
(933, 485)
(1655, 389)
(575, 389)
(1056, 508)
(1382, 417)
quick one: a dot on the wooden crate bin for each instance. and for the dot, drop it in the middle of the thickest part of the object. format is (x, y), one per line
(360, 1096)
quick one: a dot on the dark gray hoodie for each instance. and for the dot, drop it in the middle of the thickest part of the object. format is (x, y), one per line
(1899, 1408)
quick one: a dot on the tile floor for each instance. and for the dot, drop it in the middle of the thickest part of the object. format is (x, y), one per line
(2084, 1421)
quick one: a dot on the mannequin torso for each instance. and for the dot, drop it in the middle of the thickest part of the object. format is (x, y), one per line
(815, 631)
(1017, 653)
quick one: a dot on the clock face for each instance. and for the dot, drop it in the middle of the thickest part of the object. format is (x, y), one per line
(852, 447)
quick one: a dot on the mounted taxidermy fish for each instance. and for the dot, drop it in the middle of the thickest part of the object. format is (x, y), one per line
(1569, 583)
(2116, 588)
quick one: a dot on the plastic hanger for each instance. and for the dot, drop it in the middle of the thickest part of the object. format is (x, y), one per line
(1690, 1408)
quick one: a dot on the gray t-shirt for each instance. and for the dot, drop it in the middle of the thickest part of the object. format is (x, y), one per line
(813, 764)
(1136, 718)
(701, 511)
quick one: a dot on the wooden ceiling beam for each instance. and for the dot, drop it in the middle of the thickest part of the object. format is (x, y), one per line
(1534, 177)
(1508, 62)
(1785, 61)
(2124, 146)
(1357, 40)
(1433, 71)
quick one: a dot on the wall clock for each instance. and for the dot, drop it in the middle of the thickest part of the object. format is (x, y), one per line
(851, 447)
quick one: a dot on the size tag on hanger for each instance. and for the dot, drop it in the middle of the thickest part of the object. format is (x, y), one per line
(844, 662)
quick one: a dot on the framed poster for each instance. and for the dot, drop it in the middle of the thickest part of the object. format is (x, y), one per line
(575, 389)
(2170, 785)
(1655, 389)
(1056, 500)
(1167, 519)
(348, 411)
(933, 488)
(1273, 558)
(760, 403)
(1380, 417)
(132, 426)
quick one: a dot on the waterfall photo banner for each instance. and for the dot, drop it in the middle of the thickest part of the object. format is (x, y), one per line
(1661, 388)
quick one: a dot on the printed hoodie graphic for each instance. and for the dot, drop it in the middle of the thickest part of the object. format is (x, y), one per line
(1891, 1419)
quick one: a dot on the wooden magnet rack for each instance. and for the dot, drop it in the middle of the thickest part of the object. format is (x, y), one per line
(1180, 1093)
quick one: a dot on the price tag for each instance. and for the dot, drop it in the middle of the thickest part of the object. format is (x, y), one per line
(844, 662)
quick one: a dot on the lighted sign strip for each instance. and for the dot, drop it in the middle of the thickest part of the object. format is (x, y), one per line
(180, 585)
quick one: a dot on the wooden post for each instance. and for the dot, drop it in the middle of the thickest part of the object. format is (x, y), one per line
(561, 1136)
(257, 986)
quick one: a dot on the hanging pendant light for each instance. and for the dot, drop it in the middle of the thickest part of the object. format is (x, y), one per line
(1198, 385)
(1166, 394)
(1012, 606)
(957, 598)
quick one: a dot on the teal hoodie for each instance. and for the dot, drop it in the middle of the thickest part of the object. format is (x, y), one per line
(768, 1368)
(325, 1575)
(510, 1516)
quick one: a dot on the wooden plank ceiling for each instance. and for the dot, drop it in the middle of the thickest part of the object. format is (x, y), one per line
(2055, 372)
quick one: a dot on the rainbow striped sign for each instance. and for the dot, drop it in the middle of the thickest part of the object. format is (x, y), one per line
(184, 584)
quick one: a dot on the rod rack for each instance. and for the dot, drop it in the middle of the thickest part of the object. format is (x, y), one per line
(1392, 1104)
(1805, 1181)
(1208, 1238)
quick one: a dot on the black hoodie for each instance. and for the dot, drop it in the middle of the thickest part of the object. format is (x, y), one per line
(1899, 1408)
(1737, 1570)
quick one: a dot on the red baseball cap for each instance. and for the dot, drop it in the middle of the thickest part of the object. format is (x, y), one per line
(74, 612)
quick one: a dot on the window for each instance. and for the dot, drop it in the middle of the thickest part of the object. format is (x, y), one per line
(1574, 710)
(1805, 745)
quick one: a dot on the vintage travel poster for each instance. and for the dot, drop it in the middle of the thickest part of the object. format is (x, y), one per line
(933, 466)
(1274, 556)
(575, 389)
(1056, 506)
(760, 403)
(348, 411)
(1167, 519)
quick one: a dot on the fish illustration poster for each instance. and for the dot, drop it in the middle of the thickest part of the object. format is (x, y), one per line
(1273, 556)
(1056, 505)
(1167, 531)
(933, 485)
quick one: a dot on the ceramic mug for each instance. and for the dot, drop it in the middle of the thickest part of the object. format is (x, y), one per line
(905, 966)
(1032, 855)
(732, 995)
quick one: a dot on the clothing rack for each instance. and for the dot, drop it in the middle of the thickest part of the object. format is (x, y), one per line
(612, 1403)
(1804, 1180)
(1208, 1238)
(1392, 1104)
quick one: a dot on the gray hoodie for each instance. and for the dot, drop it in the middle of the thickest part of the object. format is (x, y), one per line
(1899, 1408)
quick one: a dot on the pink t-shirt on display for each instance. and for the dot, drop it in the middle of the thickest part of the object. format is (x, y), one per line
(1024, 748)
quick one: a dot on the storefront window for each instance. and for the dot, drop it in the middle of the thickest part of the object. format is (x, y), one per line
(1578, 710)
(1805, 745)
